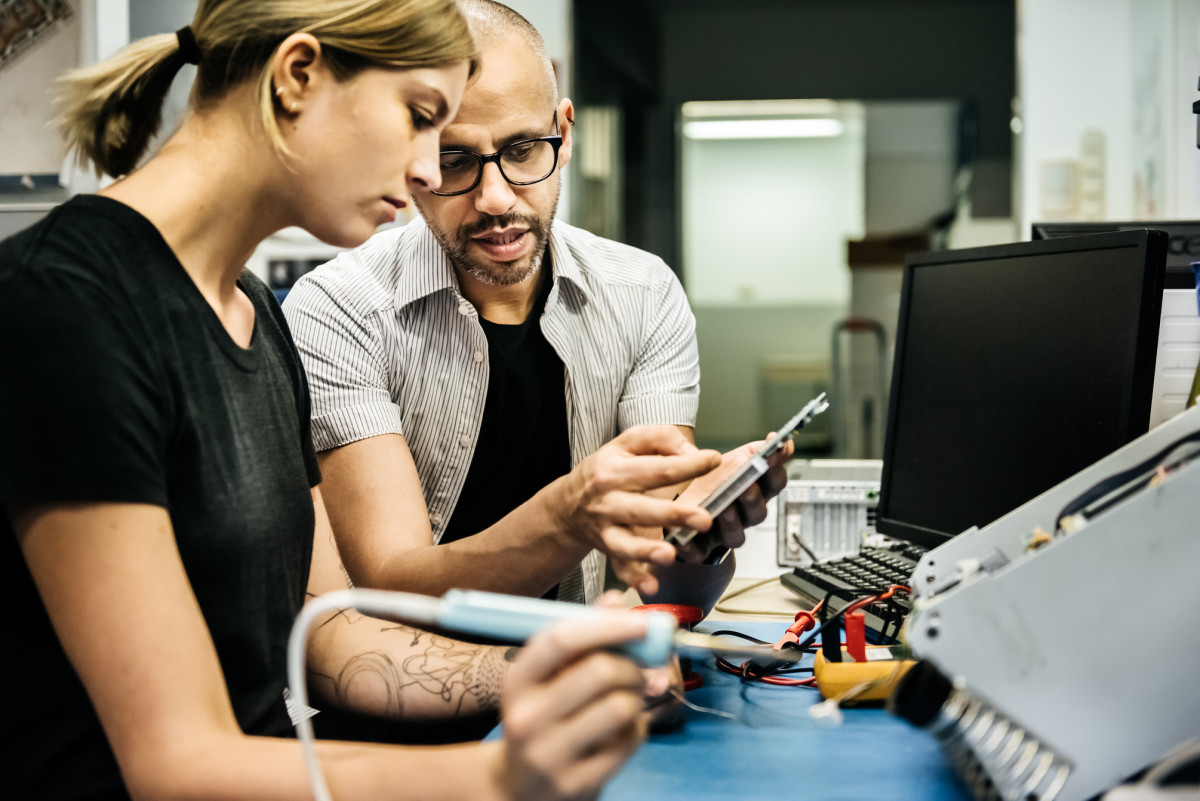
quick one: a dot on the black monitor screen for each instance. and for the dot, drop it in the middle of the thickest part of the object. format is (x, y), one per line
(1183, 242)
(1016, 367)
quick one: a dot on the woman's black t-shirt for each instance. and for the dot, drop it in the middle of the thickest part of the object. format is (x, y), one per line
(118, 383)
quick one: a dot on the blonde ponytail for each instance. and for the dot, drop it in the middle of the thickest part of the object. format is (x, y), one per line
(109, 112)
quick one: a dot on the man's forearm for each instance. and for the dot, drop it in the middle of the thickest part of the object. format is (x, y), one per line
(524, 553)
(377, 509)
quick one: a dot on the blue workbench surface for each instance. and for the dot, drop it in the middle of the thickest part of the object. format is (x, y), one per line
(775, 751)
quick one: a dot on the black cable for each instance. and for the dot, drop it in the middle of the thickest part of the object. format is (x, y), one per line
(894, 619)
(850, 594)
(730, 633)
(749, 670)
(753, 671)
(1113, 483)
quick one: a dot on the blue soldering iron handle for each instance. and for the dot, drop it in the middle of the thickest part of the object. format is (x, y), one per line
(514, 618)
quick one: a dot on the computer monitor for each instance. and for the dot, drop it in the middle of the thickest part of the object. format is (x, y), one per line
(1183, 246)
(1179, 329)
(1016, 367)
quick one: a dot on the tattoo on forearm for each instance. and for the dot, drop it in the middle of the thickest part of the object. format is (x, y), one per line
(491, 678)
(372, 672)
(404, 664)
(466, 677)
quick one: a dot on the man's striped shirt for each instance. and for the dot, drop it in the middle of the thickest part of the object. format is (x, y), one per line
(390, 345)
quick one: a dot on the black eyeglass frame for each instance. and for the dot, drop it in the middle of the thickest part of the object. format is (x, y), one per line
(494, 158)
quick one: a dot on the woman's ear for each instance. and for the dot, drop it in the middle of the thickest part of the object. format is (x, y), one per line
(298, 68)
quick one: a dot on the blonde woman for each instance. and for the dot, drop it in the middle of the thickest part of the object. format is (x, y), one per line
(162, 522)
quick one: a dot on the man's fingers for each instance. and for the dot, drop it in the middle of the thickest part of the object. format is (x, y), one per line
(636, 573)
(729, 526)
(645, 511)
(622, 545)
(700, 489)
(649, 472)
(773, 481)
(752, 506)
(611, 599)
(667, 440)
(784, 454)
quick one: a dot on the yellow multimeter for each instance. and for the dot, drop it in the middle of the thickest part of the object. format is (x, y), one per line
(873, 679)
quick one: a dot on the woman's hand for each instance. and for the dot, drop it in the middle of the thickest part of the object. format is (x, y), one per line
(573, 713)
(664, 695)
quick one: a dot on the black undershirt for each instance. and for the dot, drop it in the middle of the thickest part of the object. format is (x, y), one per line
(522, 444)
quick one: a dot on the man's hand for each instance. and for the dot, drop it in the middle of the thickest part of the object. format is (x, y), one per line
(692, 582)
(750, 509)
(604, 498)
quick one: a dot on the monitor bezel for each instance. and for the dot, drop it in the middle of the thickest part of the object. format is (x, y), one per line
(1177, 276)
(1152, 245)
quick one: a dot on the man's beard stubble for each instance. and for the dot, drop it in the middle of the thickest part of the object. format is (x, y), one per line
(489, 274)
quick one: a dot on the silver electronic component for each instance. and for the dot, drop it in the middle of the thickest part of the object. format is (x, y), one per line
(1067, 653)
(825, 510)
(698, 548)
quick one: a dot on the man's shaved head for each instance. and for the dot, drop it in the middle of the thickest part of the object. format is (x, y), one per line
(497, 232)
(495, 24)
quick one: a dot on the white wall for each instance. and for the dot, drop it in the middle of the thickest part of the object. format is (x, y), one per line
(1183, 184)
(97, 30)
(911, 150)
(552, 18)
(26, 112)
(765, 221)
(1127, 69)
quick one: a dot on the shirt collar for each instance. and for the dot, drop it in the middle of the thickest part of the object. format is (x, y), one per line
(565, 267)
(426, 269)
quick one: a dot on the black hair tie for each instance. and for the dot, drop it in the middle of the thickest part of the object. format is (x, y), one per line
(188, 49)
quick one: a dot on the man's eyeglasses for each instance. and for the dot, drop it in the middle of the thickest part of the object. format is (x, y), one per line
(521, 163)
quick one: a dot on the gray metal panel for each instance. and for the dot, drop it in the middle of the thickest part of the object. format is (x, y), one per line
(938, 568)
(1088, 643)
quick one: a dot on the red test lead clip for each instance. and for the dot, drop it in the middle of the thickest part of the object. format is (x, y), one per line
(856, 636)
(803, 622)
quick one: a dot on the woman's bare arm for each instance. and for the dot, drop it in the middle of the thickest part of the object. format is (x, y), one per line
(116, 592)
(112, 581)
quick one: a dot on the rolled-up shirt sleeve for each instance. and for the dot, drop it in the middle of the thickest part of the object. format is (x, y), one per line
(664, 385)
(344, 358)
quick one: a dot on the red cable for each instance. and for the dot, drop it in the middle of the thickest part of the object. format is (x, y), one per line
(803, 621)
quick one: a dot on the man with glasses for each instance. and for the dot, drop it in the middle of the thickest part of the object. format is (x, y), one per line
(468, 369)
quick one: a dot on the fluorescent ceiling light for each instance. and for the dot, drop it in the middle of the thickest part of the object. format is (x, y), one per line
(762, 129)
(726, 109)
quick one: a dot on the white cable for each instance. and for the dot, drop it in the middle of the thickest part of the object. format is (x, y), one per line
(708, 710)
(503, 617)
(412, 608)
